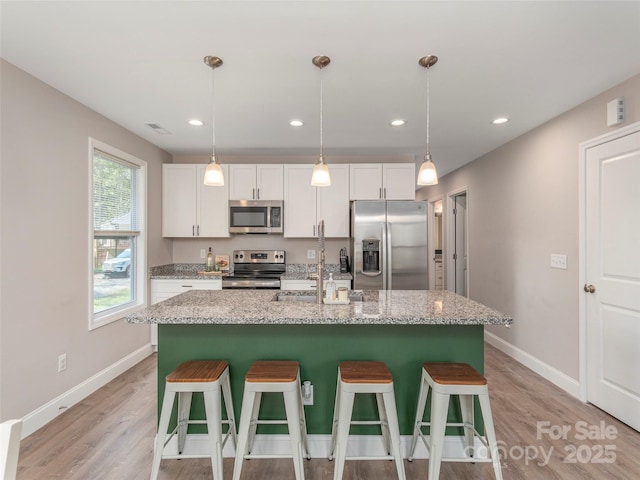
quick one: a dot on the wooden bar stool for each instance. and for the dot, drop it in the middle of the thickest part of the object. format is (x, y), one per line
(365, 377)
(444, 380)
(209, 377)
(272, 376)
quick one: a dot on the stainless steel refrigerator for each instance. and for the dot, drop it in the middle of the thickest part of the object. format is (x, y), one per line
(389, 245)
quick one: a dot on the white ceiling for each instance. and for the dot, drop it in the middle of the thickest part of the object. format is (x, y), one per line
(142, 61)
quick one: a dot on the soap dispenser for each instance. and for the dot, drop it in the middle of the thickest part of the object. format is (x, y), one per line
(331, 288)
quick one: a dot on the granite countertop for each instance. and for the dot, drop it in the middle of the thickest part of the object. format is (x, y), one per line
(401, 307)
(194, 271)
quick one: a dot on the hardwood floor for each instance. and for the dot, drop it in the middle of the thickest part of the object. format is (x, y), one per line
(110, 435)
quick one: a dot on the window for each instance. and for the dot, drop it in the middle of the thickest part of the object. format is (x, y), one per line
(118, 192)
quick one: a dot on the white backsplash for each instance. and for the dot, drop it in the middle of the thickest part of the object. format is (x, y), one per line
(187, 250)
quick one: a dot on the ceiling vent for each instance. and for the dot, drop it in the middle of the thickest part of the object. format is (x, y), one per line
(158, 128)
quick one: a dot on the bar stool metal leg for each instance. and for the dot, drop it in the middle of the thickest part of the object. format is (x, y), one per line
(439, 409)
(422, 403)
(342, 435)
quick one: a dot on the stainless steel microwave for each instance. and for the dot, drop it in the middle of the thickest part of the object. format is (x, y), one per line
(255, 216)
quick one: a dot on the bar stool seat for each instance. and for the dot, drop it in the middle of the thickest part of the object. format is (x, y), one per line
(365, 377)
(444, 380)
(272, 376)
(209, 377)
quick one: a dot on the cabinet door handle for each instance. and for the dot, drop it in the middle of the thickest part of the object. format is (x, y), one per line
(380, 193)
(198, 230)
(187, 286)
(314, 230)
(254, 193)
(385, 192)
(258, 194)
(193, 230)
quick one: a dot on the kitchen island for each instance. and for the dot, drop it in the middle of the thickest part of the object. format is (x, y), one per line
(401, 328)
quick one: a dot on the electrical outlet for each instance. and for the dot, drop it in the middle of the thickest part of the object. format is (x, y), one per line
(311, 254)
(203, 253)
(62, 362)
(307, 393)
(558, 261)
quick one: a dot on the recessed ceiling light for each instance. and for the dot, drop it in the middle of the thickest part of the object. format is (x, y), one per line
(196, 123)
(296, 123)
(398, 122)
(500, 120)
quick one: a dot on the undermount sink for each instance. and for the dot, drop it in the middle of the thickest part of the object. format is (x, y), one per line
(303, 297)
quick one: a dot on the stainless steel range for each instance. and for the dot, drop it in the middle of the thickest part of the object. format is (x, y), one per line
(256, 269)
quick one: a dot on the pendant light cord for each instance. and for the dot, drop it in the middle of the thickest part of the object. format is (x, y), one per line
(321, 120)
(213, 113)
(428, 110)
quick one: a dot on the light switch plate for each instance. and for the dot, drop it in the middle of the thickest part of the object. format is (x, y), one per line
(311, 254)
(558, 261)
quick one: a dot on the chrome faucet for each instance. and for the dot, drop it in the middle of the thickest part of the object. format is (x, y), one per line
(321, 266)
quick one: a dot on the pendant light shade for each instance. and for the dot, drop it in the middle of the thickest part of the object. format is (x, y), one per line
(321, 176)
(428, 174)
(213, 175)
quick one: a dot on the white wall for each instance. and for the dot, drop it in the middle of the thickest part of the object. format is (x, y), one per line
(45, 238)
(523, 206)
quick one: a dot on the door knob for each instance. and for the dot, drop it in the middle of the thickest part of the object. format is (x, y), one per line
(589, 288)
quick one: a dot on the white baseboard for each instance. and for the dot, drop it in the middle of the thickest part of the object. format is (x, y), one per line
(47, 412)
(562, 380)
(197, 445)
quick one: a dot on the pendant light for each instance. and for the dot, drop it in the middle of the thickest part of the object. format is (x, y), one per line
(428, 174)
(321, 176)
(213, 175)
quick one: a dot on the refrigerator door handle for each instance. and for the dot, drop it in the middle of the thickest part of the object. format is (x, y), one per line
(389, 259)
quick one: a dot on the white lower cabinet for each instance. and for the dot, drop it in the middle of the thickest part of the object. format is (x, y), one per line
(163, 289)
(309, 284)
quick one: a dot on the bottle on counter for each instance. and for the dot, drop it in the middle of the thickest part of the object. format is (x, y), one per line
(331, 288)
(209, 265)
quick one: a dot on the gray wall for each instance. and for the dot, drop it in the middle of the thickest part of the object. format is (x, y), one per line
(523, 206)
(45, 240)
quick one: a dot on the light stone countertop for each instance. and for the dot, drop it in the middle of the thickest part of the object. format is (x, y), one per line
(189, 271)
(259, 307)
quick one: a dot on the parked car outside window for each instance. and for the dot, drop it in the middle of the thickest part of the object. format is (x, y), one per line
(120, 265)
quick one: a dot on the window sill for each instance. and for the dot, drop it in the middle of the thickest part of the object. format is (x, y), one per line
(108, 318)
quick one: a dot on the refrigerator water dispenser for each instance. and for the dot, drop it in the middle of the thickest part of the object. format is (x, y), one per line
(371, 255)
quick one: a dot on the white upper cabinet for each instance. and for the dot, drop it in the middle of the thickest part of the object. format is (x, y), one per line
(386, 181)
(305, 205)
(333, 202)
(256, 182)
(189, 207)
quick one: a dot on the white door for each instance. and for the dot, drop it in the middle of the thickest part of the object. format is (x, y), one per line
(365, 181)
(179, 200)
(612, 268)
(242, 182)
(213, 206)
(269, 182)
(299, 202)
(399, 181)
(333, 203)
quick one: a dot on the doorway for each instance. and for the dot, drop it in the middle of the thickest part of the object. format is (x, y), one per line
(436, 240)
(610, 273)
(457, 253)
